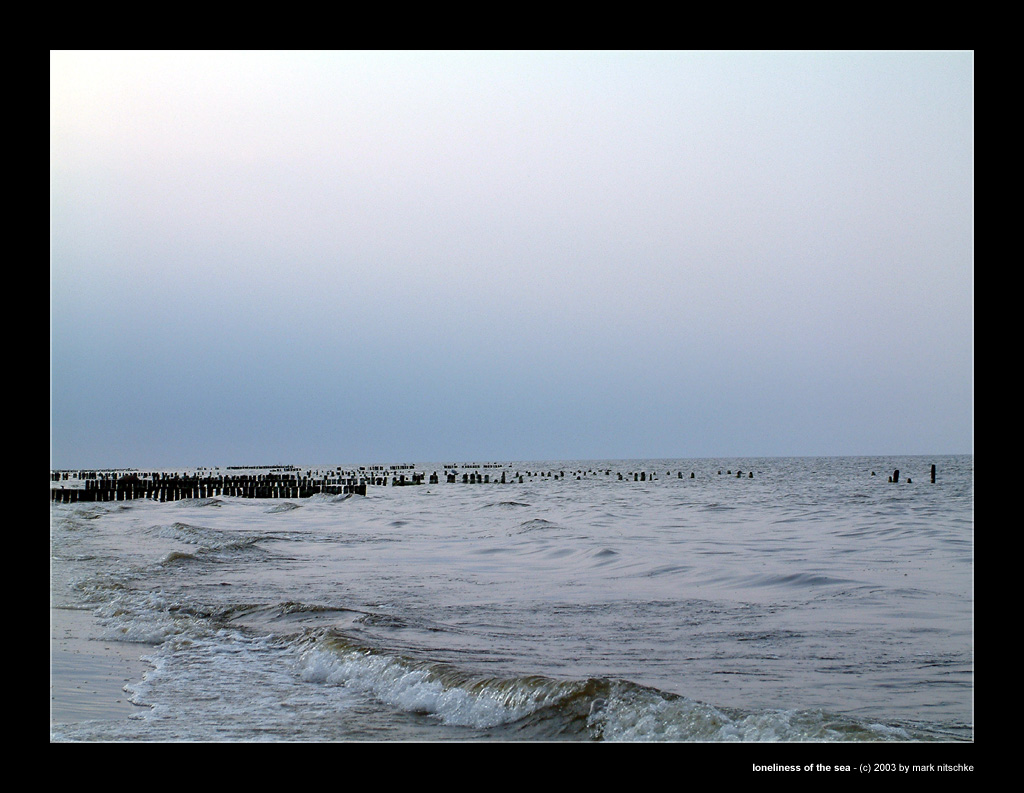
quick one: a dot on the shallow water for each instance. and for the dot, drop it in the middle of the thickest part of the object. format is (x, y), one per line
(812, 602)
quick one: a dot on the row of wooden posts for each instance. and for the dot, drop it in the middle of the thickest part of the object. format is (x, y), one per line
(474, 478)
(173, 487)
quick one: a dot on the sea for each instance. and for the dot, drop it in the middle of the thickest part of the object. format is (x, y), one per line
(803, 599)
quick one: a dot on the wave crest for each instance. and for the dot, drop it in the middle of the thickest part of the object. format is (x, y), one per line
(540, 707)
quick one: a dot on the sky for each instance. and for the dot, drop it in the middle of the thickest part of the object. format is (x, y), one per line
(363, 257)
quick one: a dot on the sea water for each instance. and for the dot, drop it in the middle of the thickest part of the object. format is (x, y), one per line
(767, 599)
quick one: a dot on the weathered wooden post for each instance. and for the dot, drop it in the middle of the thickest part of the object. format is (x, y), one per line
(933, 473)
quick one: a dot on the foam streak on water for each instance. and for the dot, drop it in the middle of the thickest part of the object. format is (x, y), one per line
(813, 601)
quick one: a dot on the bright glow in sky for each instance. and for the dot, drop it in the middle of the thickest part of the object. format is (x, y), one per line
(378, 257)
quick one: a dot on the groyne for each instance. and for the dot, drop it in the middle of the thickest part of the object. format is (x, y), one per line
(288, 481)
(102, 486)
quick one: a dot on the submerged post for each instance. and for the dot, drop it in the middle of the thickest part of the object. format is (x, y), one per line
(933, 473)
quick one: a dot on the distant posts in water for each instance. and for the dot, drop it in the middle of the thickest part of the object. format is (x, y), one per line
(896, 476)
(933, 473)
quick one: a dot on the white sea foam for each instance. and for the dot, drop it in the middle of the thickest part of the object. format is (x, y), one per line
(420, 689)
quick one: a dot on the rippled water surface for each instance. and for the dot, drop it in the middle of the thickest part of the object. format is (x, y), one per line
(814, 600)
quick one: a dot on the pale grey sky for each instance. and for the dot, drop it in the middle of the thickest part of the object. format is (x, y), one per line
(360, 257)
